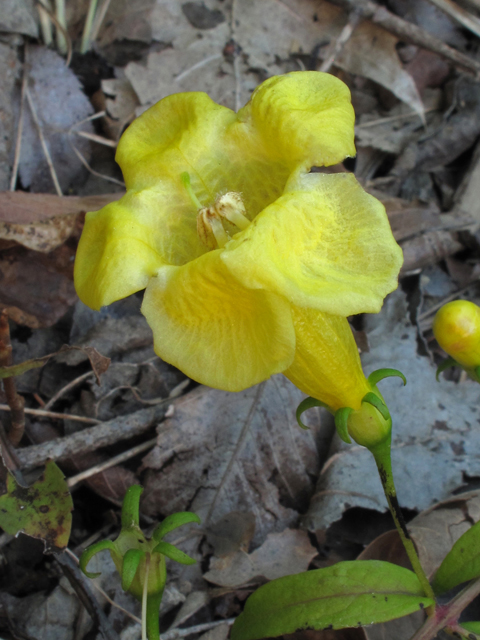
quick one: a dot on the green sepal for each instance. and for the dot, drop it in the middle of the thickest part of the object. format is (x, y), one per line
(131, 507)
(341, 423)
(446, 364)
(375, 401)
(380, 374)
(173, 522)
(306, 404)
(173, 553)
(89, 552)
(131, 560)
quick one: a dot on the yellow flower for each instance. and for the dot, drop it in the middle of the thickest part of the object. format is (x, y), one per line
(251, 264)
(457, 330)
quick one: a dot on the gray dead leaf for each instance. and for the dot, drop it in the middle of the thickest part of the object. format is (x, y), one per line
(19, 16)
(217, 633)
(224, 452)
(280, 555)
(194, 67)
(41, 616)
(195, 601)
(231, 533)
(9, 72)
(304, 24)
(435, 430)
(60, 104)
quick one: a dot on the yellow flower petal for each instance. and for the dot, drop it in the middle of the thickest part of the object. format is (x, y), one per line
(304, 117)
(326, 364)
(324, 244)
(217, 332)
(126, 242)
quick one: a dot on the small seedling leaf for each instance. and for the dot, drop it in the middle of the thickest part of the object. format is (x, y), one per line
(131, 560)
(131, 507)
(173, 522)
(91, 551)
(462, 563)
(43, 510)
(348, 594)
(173, 553)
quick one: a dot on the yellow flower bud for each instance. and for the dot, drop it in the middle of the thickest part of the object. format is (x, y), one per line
(457, 330)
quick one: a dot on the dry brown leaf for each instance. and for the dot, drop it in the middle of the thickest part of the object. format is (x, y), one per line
(429, 248)
(35, 288)
(281, 554)
(224, 452)
(22, 208)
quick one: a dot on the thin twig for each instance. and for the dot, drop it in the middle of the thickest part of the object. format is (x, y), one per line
(409, 32)
(96, 138)
(400, 116)
(198, 65)
(15, 401)
(461, 15)
(42, 413)
(112, 462)
(84, 161)
(68, 387)
(18, 143)
(354, 18)
(43, 142)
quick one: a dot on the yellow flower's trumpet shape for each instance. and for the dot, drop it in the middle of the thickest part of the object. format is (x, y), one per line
(457, 329)
(251, 263)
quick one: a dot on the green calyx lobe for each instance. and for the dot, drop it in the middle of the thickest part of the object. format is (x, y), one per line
(370, 425)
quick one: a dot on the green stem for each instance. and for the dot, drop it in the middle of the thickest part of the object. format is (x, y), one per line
(87, 30)
(145, 598)
(383, 459)
(153, 608)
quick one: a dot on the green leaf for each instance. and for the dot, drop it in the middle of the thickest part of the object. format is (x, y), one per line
(305, 405)
(131, 507)
(173, 522)
(348, 594)
(173, 553)
(131, 560)
(341, 423)
(380, 374)
(43, 510)
(474, 627)
(92, 550)
(462, 563)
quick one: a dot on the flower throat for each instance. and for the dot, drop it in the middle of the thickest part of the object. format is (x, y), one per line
(214, 223)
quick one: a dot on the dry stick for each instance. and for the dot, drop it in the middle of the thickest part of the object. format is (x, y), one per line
(354, 18)
(68, 387)
(112, 462)
(42, 413)
(198, 628)
(93, 438)
(52, 17)
(18, 143)
(461, 15)
(408, 32)
(15, 401)
(43, 143)
(96, 138)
